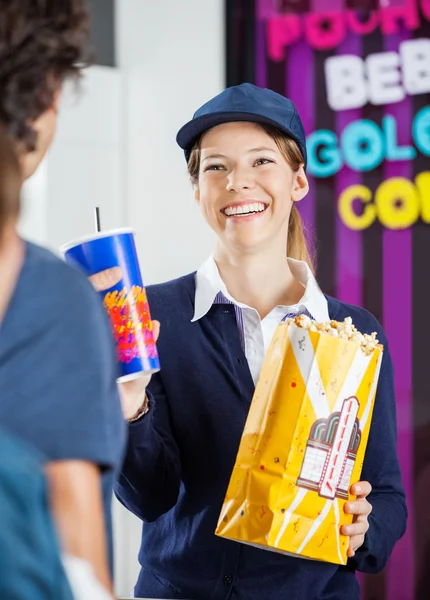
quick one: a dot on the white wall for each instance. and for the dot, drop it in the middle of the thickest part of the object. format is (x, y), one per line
(35, 204)
(115, 148)
(174, 51)
(84, 167)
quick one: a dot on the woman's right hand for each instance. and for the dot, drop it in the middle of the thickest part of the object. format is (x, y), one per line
(133, 393)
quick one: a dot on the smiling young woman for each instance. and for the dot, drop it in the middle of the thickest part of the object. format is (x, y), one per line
(246, 157)
(292, 155)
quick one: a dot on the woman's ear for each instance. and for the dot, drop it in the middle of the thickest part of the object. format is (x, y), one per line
(196, 193)
(300, 185)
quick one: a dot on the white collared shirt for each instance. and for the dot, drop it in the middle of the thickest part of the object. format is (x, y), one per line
(255, 333)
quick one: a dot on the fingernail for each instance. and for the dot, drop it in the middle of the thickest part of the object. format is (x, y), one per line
(351, 506)
(357, 489)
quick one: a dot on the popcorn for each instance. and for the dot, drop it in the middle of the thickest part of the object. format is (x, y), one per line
(345, 330)
(303, 321)
(304, 441)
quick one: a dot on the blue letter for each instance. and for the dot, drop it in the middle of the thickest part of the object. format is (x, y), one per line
(395, 152)
(324, 158)
(362, 145)
(421, 130)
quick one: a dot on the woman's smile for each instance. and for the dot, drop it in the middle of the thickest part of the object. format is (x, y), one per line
(244, 211)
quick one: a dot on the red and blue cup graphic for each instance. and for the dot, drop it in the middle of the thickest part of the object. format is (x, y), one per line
(125, 302)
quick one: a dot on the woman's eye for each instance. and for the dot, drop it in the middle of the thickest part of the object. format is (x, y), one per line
(263, 161)
(214, 168)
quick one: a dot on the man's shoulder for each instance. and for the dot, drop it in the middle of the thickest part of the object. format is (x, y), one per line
(56, 288)
(52, 303)
(53, 275)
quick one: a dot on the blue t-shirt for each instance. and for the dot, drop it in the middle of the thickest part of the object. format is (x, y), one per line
(58, 370)
(30, 564)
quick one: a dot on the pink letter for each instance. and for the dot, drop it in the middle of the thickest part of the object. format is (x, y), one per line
(326, 30)
(425, 7)
(358, 26)
(391, 16)
(281, 32)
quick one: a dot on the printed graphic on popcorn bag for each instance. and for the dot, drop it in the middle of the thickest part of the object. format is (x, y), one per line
(304, 441)
(331, 451)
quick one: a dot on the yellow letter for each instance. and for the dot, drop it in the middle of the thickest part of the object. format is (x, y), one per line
(422, 181)
(398, 203)
(346, 211)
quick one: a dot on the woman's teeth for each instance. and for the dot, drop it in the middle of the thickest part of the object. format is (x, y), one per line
(244, 210)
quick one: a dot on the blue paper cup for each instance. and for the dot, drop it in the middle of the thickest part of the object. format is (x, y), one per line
(126, 302)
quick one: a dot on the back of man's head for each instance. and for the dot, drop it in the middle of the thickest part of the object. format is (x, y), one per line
(42, 42)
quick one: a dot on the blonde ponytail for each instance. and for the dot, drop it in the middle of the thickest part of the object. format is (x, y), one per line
(297, 246)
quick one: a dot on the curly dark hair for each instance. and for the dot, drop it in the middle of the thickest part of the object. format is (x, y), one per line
(42, 42)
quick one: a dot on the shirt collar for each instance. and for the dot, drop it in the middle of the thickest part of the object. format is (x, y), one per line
(209, 284)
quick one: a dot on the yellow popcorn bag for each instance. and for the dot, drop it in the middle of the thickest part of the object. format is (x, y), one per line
(304, 442)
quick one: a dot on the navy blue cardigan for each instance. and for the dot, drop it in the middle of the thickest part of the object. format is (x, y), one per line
(181, 454)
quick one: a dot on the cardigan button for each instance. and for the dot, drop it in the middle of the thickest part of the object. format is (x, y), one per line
(228, 579)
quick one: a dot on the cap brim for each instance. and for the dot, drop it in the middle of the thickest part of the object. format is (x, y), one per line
(191, 131)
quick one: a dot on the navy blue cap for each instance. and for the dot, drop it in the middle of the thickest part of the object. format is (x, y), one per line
(245, 102)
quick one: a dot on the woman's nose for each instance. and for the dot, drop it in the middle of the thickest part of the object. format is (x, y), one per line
(240, 179)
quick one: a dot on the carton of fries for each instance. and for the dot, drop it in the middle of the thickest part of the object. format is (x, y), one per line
(304, 441)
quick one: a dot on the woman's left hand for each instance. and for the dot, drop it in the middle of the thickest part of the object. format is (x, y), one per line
(361, 509)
